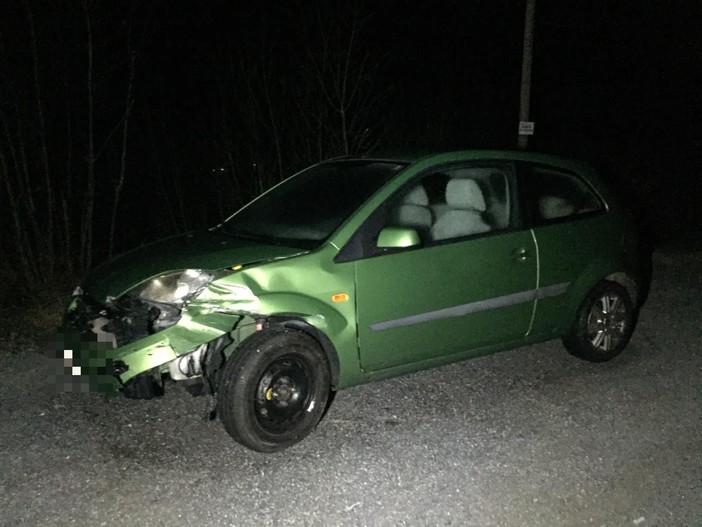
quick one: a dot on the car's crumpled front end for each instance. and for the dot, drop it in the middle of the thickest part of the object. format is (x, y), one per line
(170, 307)
(168, 324)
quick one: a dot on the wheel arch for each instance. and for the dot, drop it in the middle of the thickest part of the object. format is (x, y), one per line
(628, 282)
(596, 273)
(300, 324)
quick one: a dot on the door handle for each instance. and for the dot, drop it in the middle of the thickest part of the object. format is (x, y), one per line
(519, 255)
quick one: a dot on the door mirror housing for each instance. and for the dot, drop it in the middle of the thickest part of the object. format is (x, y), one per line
(398, 238)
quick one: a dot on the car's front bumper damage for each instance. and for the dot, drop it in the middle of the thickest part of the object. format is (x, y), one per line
(129, 344)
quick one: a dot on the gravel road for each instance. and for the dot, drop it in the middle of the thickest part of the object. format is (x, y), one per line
(529, 437)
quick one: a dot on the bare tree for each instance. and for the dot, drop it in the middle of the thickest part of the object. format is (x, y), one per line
(48, 187)
(52, 140)
(86, 239)
(342, 71)
(132, 51)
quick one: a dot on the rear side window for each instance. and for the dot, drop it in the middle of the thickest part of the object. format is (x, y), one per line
(558, 195)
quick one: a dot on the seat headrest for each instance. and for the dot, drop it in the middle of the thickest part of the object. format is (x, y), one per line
(414, 216)
(555, 207)
(464, 194)
(416, 196)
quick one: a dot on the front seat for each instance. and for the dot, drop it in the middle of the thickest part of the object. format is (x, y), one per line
(467, 203)
(413, 211)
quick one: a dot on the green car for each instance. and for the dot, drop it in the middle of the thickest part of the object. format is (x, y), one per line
(357, 269)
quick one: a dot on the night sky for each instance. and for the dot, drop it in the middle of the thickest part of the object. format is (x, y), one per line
(599, 67)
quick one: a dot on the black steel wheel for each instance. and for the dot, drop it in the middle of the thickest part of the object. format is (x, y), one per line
(604, 324)
(274, 389)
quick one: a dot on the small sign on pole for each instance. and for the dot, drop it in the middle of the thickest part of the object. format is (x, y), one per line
(526, 127)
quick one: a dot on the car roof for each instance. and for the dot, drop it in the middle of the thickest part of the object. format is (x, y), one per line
(444, 156)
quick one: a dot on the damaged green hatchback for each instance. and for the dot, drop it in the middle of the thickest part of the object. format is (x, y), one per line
(357, 269)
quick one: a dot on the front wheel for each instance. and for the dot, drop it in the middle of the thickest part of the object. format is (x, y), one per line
(604, 324)
(274, 389)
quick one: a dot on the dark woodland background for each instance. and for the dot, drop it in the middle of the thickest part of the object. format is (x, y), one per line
(125, 121)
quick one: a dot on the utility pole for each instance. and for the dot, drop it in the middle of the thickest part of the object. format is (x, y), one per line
(526, 127)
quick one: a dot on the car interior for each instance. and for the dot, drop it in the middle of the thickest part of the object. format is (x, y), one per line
(455, 203)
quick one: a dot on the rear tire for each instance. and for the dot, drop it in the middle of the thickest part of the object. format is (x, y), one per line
(604, 324)
(274, 389)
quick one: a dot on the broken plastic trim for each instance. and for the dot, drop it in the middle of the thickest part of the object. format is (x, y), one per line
(189, 365)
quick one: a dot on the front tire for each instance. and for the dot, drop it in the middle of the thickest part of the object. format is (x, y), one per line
(604, 324)
(274, 389)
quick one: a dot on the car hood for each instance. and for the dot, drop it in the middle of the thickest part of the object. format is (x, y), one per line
(197, 250)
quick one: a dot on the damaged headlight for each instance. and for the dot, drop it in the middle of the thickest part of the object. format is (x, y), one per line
(175, 288)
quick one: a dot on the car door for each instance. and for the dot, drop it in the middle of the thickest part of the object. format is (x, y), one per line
(460, 289)
(571, 230)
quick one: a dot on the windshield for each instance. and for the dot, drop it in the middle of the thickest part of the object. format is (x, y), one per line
(307, 208)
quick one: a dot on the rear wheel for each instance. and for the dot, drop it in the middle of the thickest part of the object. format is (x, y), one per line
(604, 324)
(274, 389)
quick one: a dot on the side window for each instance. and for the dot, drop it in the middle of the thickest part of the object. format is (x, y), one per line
(558, 194)
(442, 205)
(454, 203)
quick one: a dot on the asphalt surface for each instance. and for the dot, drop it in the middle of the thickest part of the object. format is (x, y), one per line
(528, 437)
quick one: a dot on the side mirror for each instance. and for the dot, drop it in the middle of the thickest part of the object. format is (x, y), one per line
(398, 237)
